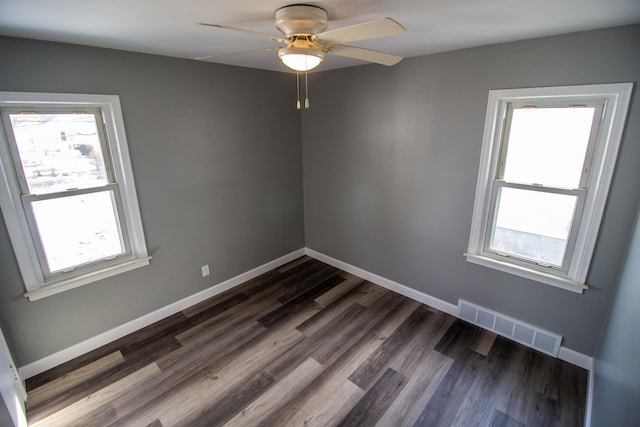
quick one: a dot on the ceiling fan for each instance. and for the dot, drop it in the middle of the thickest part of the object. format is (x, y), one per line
(304, 44)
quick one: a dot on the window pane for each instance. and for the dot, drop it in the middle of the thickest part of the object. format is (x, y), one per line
(59, 152)
(548, 146)
(78, 229)
(533, 225)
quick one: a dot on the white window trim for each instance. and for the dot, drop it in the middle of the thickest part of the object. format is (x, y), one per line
(617, 97)
(13, 212)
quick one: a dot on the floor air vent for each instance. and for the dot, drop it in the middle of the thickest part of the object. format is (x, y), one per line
(523, 333)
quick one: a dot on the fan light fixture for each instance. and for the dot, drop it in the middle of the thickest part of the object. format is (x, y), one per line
(301, 59)
(305, 41)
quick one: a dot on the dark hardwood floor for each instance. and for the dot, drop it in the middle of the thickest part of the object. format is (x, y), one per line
(308, 344)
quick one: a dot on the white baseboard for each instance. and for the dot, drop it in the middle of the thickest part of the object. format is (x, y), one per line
(97, 341)
(566, 354)
(590, 386)
(576, 358)
(386, 283)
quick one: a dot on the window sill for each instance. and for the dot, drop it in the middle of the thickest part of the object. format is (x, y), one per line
(64, 285)
(528, 273)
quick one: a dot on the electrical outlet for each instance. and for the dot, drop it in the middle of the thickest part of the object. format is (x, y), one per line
(205, 270)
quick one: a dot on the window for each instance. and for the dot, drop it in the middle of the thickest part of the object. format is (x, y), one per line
(547, 159)
(68, 195)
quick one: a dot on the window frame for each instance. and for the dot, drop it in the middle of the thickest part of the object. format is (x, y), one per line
(573, 276)
(579, 191)
(28, 197)
(39, 283)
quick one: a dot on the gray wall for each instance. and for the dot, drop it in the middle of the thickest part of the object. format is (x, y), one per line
(391, 158)
(5, 416)
(390, 161)
(617, 373)
(217, 161)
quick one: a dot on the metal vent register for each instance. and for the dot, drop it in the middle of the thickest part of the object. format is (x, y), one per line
(531, 336)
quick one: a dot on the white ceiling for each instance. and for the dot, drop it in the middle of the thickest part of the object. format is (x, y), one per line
(168, 27)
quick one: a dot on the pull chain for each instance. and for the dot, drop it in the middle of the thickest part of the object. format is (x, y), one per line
(306, 89)
(298, 89)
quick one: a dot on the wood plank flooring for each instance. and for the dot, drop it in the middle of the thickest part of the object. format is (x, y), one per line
(310, 345)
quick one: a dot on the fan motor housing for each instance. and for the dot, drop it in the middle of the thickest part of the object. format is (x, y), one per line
(301, 19)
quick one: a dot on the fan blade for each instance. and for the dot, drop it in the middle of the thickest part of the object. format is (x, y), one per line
(365, 55)
(367, 30)
(218, 55)
(253, 33)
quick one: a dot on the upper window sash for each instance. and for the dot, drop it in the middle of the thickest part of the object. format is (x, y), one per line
(598, 107)
(8, 113)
